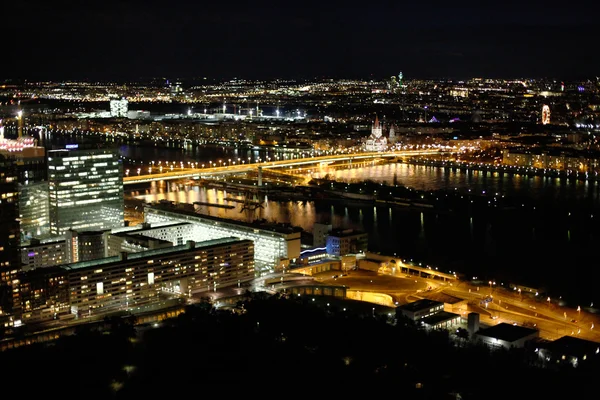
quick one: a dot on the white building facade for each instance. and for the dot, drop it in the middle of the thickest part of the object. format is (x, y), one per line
(376, 141)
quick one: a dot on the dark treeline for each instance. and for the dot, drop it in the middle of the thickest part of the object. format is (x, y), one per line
(288, 347)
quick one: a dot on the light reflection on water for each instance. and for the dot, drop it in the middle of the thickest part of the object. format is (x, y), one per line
(468, 243)
(434, 178)
(297, 213)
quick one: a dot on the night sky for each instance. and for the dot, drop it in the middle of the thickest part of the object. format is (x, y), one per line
(283, 39)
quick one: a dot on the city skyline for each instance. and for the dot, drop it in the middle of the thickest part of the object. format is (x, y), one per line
(129, 40)
(400, 195)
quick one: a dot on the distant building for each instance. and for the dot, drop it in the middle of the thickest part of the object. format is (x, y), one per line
(376, 141)
(138, 114)
(392, 138)
(341, 242)
(85, 190)
(320, 232)
(559, 159)
(29, 163)
(118, 108)
(506, 335)
(9, 235)
(545, 114)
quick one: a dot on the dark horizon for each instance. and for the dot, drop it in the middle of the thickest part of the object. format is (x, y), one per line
(123, 41)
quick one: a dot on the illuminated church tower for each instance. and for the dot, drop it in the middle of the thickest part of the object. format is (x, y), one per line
(376, 141)
(392, 135)
(377, 129)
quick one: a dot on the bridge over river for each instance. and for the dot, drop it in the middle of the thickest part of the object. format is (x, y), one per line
(197, 173)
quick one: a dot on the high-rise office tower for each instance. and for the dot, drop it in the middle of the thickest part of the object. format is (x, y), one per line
(33, 190)
(9, 234)
(34, 211)
(85, 189)
(29, 167)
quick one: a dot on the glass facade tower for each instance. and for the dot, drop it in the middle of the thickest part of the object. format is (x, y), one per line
(85, 190)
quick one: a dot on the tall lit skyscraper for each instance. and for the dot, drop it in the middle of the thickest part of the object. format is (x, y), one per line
(34, 211)
(9, 234)
(85, 189)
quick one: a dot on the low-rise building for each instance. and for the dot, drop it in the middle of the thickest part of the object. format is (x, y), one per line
(177, 233)
(420, 309)
(570, 350)
(341, 242)
(441, 320)
(506, 335)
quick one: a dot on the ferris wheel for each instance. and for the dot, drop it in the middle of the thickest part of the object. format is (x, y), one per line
(545, 115)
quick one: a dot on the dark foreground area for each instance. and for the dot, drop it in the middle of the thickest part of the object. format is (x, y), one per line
(272, 346)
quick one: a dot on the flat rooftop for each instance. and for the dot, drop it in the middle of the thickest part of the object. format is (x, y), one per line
(420, 305)
(572, 345)
(139, 238)
(145, 227)
(152, 253)
(507, 332)
(187, 209)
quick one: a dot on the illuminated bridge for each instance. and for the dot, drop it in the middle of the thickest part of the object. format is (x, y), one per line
(197, 173)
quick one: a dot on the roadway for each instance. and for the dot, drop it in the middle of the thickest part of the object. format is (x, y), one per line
(552, 321)
(186, 173)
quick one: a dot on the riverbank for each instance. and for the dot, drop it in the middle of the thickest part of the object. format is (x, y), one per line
(506, 169)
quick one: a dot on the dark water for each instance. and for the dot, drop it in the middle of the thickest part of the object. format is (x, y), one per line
(548, 242)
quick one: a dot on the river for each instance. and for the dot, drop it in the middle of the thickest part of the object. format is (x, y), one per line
(550, 246)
